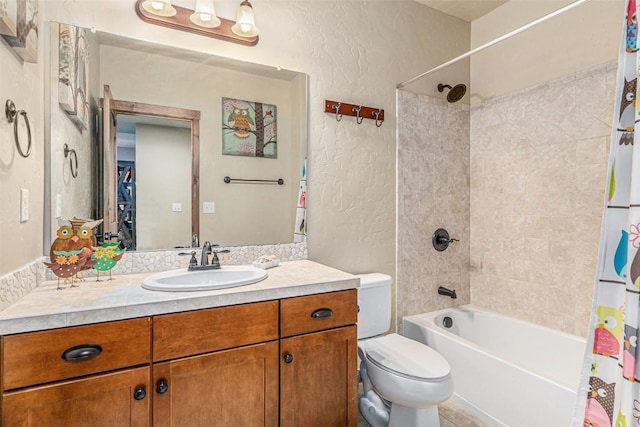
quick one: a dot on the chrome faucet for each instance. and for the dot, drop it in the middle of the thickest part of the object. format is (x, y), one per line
(206, 251)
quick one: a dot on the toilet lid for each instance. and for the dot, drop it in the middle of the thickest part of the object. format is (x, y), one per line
(406, 357)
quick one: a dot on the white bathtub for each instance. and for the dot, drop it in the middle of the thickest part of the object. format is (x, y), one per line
(505, 371)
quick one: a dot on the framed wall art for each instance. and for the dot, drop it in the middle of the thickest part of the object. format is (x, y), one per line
(19, 27)
(249, 128)
(73, 87)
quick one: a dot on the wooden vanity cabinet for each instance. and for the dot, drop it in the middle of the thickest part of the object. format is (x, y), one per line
(289, 362)
(95, 375)
(318, 347)
(217, 367)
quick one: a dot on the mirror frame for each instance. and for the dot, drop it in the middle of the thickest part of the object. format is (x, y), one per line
(170, 113)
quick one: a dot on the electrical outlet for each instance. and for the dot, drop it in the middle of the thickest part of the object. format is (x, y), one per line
(208, 207)
(176, 207)
(24, 205)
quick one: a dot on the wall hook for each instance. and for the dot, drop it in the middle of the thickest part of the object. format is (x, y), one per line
(337, 108)
(13, 115)
(73, 164)
(356, 110)
(376, 114)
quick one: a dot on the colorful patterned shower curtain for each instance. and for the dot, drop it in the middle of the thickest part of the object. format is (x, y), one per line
(300, 228)
(610, 376)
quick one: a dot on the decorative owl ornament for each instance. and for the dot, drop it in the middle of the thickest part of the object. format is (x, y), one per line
(608, 333)
(600, 399)
(75, 235)
(629, 353)
(241, 122)
(106, 256)
(67, 264)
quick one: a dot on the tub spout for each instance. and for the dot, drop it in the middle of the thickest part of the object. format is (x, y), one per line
(447, 292)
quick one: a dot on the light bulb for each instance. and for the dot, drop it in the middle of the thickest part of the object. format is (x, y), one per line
(245, 25)
(205, 14)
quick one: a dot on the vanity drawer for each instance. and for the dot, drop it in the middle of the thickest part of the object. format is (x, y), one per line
(312, 313)
(203, 331)
(39, 357)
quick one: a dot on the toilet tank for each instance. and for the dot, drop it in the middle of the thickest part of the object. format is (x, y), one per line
(374, 304)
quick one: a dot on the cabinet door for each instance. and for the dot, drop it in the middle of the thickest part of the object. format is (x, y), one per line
(318, 384)
(237, 387)
(107, 400)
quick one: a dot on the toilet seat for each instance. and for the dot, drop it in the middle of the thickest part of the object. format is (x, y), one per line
(406, 358)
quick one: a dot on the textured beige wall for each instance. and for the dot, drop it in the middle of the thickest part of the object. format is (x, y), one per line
(21, 243)
(352, 51)
(579, 39)
(433, 192)
(538, 166)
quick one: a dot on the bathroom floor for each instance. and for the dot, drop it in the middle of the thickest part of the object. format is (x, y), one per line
(450, 416)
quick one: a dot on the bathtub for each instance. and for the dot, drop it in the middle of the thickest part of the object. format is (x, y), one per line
(506, 372)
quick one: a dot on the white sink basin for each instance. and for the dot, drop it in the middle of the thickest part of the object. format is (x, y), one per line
(204, 280)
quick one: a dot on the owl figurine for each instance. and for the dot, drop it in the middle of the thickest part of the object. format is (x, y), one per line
(106, 256)
(608, 333)
(67, 264)
(75, 235)
(600, 399)
(629, 353)
(241, 122)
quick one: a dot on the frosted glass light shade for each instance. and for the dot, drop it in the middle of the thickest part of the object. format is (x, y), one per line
(245, 25)
(159, 7)
(205, 14)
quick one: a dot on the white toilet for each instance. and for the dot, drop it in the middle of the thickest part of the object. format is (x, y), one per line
(403, 380)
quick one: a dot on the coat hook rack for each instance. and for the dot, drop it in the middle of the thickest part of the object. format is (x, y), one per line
(358, 111)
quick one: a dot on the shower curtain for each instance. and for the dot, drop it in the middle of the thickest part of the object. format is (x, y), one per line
(300, 227)
(610, 392)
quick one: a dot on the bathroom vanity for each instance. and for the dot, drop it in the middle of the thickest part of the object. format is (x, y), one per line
(278, 352)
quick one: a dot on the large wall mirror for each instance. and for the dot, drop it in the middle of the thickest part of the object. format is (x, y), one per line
(170, 176)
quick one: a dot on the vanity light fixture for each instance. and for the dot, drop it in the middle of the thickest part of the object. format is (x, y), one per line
(159, 7)
(202, 20)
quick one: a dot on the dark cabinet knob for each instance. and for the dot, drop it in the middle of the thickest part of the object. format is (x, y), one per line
(139, 393)
(162, 386)
(288, 358)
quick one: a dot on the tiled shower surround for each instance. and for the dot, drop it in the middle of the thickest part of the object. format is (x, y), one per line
(523, 190)
(433, 192)
(538, 168)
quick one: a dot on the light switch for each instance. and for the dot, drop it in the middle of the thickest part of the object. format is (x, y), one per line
(58, 205)
(176, 207)
(24, 205)
(208, 207)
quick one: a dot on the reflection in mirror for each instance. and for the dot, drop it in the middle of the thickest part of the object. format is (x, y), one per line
(236, 213)
(152, 155)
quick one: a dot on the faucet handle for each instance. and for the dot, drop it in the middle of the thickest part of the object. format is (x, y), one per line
(215, 261)
(193, 262)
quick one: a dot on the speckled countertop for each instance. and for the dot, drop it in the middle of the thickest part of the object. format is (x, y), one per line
(123, 298)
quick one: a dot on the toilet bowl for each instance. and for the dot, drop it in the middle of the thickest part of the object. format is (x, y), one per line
(403, 380)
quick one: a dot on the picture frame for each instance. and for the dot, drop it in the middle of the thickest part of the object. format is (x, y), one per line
(8, 15)
(22, 33)
(249, 128)
(73, 85)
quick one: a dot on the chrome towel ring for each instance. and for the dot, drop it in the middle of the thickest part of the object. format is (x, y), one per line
(13, 115)
(73, 164)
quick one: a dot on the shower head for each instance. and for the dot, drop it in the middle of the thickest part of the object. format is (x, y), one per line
(456, 93)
